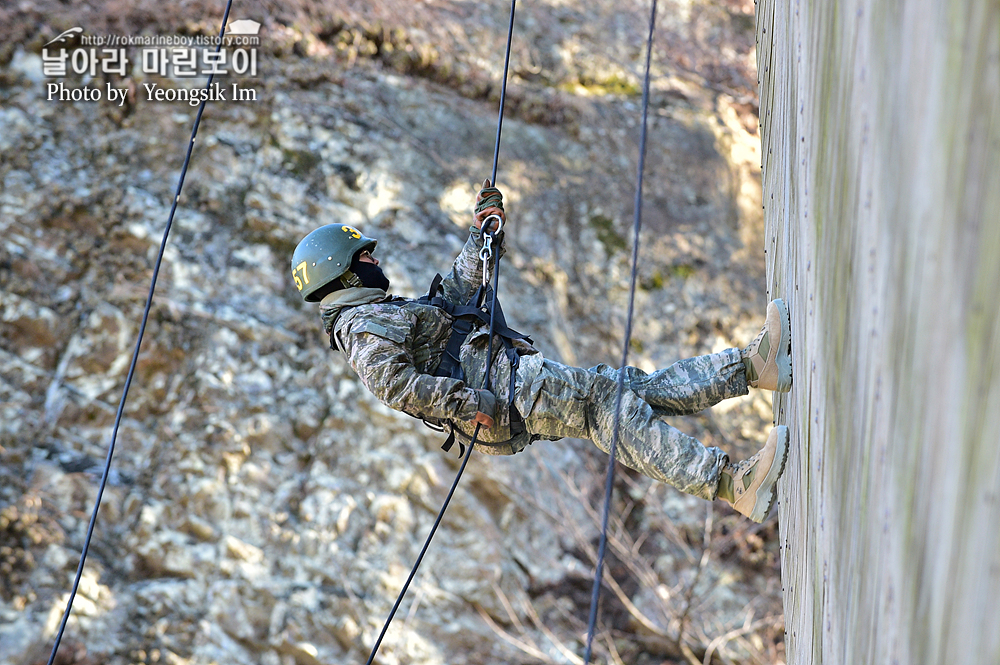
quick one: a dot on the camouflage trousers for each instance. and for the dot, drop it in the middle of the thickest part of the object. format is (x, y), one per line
(565, 401)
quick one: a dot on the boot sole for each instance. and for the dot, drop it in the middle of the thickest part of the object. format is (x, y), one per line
(784, 357)
(767, 493)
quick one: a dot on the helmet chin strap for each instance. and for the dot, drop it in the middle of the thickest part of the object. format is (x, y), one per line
(349, 279)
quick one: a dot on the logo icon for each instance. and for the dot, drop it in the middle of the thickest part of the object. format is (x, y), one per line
(244, 26)
(66, 35)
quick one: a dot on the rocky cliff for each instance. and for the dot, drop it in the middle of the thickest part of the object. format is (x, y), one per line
(262, 506)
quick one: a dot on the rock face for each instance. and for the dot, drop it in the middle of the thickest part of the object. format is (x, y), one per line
(881, 172)
(262, 506)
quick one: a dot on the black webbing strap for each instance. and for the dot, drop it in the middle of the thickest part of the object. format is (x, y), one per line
(477, 309)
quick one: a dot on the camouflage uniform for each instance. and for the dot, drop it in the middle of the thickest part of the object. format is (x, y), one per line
(395, 344)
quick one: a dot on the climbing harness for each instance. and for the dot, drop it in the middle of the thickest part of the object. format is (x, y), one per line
(481, 308)
(637, 224)
(135, 353)
(493, 311)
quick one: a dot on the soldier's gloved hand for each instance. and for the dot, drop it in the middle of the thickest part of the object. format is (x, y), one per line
(489, 201)
(487, 408)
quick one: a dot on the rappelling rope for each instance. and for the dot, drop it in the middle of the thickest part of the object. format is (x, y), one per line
(423, 550)
(135, 353)
(490, 198)
(637, 224)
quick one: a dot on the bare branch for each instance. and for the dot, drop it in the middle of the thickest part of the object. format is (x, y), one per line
(510, 639)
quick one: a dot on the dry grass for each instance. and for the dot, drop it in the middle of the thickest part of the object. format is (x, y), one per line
(682, 627)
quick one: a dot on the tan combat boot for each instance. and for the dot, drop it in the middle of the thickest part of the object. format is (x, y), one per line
(768, 359)
(751, 485)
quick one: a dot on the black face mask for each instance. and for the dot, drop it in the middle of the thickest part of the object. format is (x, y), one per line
(370, 275)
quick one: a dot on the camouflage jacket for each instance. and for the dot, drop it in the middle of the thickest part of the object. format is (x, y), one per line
(395, 344)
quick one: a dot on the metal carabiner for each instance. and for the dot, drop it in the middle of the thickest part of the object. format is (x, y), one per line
(499, 227)
(486, 253)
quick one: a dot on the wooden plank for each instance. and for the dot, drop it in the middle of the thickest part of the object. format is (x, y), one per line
(881, 181)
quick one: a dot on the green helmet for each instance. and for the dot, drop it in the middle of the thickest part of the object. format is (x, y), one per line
(325, 255)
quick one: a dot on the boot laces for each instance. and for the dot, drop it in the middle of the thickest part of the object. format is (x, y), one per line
(755, 344)
(744, 465)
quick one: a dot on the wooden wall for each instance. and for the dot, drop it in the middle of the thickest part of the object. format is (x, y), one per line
(881, 166)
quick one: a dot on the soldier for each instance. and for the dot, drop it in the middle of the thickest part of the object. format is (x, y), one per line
(427, 358)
